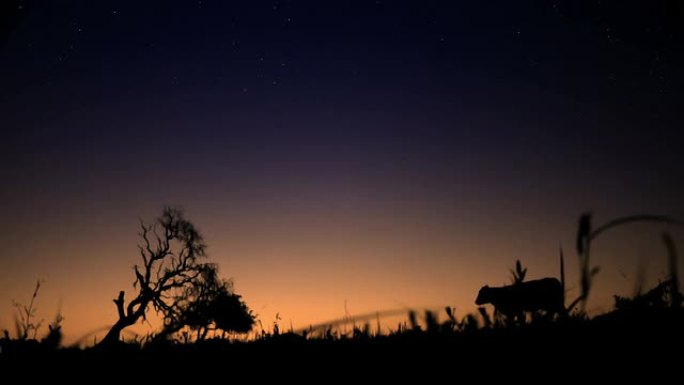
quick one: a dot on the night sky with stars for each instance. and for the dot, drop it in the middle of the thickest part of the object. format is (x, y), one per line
(339, 157)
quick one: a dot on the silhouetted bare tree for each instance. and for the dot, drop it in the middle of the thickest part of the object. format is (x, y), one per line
(170, 249)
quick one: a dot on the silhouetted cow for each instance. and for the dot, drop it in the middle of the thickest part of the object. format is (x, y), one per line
(542, 294)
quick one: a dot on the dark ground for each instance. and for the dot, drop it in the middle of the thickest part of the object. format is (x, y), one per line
(619, 346)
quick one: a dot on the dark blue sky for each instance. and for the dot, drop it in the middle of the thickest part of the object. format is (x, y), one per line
(437, 128)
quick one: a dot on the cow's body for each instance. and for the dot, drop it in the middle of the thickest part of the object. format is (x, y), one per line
(542, 294)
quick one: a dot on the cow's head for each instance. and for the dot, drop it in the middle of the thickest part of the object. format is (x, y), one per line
(484, 296)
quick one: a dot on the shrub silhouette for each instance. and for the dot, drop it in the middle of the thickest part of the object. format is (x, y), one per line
(27, 327)
(209, 304)
(25, 323)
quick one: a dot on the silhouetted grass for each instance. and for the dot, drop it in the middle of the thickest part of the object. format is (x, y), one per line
(633, 336)
(640, 336)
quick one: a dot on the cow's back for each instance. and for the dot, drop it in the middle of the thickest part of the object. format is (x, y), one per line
(542, 294)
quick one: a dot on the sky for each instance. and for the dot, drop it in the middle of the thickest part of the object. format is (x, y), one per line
(340, 158)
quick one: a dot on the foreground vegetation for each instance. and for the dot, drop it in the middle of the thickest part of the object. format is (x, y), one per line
(641, 338)
(643, 335)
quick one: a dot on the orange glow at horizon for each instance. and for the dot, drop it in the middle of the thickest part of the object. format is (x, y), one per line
(310, 270)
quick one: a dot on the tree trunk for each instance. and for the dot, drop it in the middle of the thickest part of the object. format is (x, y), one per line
(114, 334)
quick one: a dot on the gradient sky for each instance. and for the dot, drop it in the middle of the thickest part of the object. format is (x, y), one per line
(338, 156)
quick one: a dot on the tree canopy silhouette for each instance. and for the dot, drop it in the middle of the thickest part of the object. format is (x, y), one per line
(209, 304)
(171, 271)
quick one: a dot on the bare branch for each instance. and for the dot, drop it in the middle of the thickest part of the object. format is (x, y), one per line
(120, 305)
(140, 279)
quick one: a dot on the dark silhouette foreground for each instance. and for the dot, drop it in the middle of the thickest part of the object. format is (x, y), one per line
(614, 346)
